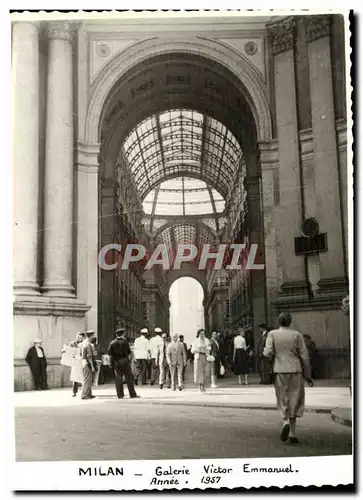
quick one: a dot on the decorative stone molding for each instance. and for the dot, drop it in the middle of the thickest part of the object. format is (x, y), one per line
(62, 30)
(251, 48)
(282, 36)
(87, 157)
(45, 307)
(146, 49)
(317, 27)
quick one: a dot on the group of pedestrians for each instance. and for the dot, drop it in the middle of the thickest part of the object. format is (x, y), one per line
(166, 356)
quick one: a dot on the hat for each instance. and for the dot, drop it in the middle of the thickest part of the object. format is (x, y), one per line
(38, 341)
(144, 330)
(158, 330)
(120, 329)
(164, 335)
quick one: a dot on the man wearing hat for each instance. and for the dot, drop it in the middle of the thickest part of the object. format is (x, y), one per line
(76, 375)
(88, 365)
(155, 342)
(120, 352)
(38, 365)
(141, 354)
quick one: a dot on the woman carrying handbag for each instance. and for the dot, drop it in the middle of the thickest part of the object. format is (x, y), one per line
(201, 349)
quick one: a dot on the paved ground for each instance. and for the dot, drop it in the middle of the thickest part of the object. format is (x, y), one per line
(121, 429)
(229, 394)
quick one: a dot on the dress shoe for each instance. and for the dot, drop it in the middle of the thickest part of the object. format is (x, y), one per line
(285, 432)
(161, 386)
(293, 440)
(135, 396)
(180, 388)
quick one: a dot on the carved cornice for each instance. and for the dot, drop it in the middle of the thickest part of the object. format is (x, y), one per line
(317, 27)
(62, 30)
(282, 36)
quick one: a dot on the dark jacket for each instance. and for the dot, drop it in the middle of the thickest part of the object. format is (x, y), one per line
(32, 358)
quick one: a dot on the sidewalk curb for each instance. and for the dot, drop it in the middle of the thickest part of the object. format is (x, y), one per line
(211, 404)
(340, 416)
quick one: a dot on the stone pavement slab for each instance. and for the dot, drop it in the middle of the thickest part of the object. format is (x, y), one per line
(342, 415)
(318, 399)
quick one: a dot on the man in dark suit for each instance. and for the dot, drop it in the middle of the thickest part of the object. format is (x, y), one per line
(120, 353)
(38, 365)
(264, 364)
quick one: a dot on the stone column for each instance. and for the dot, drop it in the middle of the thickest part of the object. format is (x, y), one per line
(87, 229)
(25, 86)
(327, 179)
(282, 37)
(59, 164)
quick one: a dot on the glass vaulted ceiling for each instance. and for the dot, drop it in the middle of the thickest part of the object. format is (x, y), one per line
(182, 144)
(183, 196)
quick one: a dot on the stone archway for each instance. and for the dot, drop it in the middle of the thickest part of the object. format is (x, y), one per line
(210, 49)
(252, 90)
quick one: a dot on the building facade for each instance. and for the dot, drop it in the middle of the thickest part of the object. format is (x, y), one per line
(117, 119)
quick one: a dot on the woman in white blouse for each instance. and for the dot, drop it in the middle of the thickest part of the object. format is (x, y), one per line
(200, 349)
(240, 362)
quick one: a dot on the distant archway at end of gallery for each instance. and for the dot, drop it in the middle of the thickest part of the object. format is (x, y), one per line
(186, 297)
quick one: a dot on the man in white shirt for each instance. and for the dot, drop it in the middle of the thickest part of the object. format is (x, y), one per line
(154, 344)
(141, 354)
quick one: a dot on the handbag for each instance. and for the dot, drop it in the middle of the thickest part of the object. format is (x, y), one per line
(222, 370)
(211, 358)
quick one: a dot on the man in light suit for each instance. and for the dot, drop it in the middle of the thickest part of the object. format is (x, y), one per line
(162, 362)
(88, 365)
(287, 350)
(176, 358)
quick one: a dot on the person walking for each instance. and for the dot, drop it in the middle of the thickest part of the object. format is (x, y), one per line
(200, 349)
(155, 342)
(162, 362)
(240, 361)
(177, 360)
(181, 339)
(287, 349)
(120, 352)
(264, 364)
(88, 365)
(37, 362)
(141, 354)
(214, 359)
(313, 355)
(76, 375)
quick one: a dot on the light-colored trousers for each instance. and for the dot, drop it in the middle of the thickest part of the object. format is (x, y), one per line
(176, 370)
(87, 383)
(164, 373)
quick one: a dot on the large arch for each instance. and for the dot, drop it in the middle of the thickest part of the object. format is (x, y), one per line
(241, 95)
(210, 49)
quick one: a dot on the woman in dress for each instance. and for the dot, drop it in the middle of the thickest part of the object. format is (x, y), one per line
(240, 361)
(200, 349)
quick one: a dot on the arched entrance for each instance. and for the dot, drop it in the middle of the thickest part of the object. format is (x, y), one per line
(214, 139)
(186, 316)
